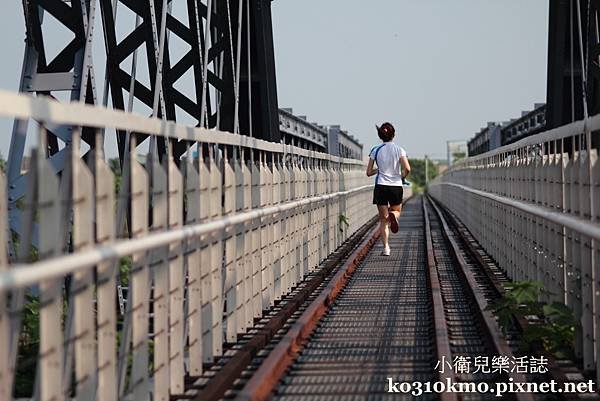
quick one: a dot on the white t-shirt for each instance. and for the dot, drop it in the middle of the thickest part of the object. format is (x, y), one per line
(387, 156)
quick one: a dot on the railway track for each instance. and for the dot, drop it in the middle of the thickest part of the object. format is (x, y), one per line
(472, 331)
(406, 317)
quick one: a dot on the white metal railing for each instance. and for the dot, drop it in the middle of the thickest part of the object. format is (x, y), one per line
(213, 241)
(533, 205)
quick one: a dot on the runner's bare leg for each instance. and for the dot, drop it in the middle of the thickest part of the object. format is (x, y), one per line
(396, 209)
(383, 224)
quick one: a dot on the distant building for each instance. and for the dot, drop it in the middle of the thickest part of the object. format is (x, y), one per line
(296, 130)
(456, 150)
(341, 143)
(530, 123)
(499, 134)
(488, 138)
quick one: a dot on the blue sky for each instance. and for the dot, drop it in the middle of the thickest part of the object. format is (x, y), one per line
(437, 69)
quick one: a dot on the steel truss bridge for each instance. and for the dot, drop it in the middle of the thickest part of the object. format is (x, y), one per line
(216, 261)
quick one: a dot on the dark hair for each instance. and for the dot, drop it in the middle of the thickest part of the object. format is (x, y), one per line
(386, 132)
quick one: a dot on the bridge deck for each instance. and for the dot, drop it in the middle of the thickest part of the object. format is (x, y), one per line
(379, 327)
(407, 317)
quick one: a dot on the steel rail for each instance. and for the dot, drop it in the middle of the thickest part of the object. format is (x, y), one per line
(442, 342)
(553, 368)
(488, 321)
(262, 386)
(21, 275)
(45, 110)
(223, 380)
(582, 226)
(264, 380)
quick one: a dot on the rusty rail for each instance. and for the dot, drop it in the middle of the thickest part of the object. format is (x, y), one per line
(260, 386)
(485, 317)
(223, 380)
(441, 328)
(554, 369)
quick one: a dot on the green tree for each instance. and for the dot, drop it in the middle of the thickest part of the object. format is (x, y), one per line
(456, 156)
(417, 173)
(2, 163)
(115, 167)
(29, 342)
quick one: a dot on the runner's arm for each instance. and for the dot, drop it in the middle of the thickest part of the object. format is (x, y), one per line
(405, 166)
(370, 170)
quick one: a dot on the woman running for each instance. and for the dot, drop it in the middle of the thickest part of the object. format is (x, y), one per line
(387, 194)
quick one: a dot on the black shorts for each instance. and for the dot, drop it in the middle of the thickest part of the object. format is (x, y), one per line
(387, 195)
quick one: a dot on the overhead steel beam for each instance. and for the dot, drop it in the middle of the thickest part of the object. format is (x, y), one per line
(261, 76)
(70, 71)
(565, 88)
(217, 46)
(230, 58)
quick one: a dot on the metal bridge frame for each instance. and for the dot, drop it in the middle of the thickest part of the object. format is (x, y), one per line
(214, 241)
(231, 59)
(567, 87)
